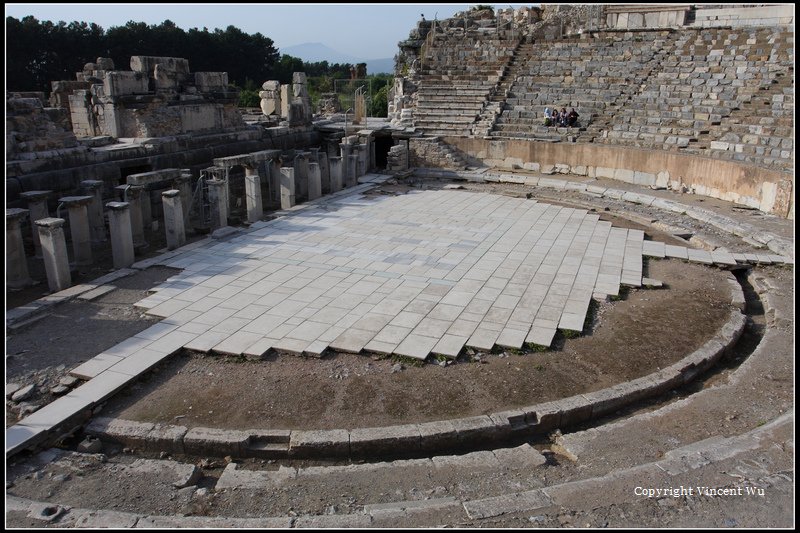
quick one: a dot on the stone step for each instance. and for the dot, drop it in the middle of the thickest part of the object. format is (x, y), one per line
(447, 132)
(442, 124)
(429, 105)
(524, 456)
(446, 113)
(453, 99)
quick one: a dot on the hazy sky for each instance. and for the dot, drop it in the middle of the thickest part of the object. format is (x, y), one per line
(367, 31)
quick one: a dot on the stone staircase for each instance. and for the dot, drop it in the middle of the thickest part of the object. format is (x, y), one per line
(456, 80)
(449, 108)
(496, 102)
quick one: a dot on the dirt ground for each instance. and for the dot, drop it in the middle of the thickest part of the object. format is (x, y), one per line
(640, 334)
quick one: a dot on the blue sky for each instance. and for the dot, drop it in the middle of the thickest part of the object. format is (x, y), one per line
(369, 31)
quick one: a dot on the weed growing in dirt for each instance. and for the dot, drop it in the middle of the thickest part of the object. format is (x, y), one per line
(532, 346)
(569, 333)
(408, 361)
(591, 313)
(623, 293)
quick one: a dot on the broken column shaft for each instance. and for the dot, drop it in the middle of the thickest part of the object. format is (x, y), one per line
(37, 205)
(119, 222)
(79, 228)
(54, 253)
(17, 275)
(173, 218)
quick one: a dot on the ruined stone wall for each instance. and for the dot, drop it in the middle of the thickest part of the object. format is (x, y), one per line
(738, 15)
(62, 171)
(32, 128)
(158, 97)
(154, 117)
(397, 159)
(429, 152)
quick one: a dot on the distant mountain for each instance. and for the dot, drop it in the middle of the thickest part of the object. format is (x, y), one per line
(319, 52)
(378, 66)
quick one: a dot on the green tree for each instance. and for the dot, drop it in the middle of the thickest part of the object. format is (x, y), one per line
(40, 52)
(248, 95)
(380, 85)
(284, 68)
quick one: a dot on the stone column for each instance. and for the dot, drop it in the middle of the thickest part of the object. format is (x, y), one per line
(345, 152)
(226, 194)
(54, 252)
(17, 275)
(79, 228)
(119, 222)
(370, 154)
(352, 168)
(252, 193)
(286, 99)
(363, 158)
(324, 172)
(360, 154)
(184, 185)
(219, 206)
(301, 177)
(132, 194)
(146, 203)
(335, 164)
(37, 205)
(314, 181)
(173, 218)
(287, 188)
(274, 181)
(313, 155)
(97, 225)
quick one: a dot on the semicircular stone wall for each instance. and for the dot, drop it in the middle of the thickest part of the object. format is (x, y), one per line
(767, 190)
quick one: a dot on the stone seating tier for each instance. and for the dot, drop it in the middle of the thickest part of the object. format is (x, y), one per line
(717, 92)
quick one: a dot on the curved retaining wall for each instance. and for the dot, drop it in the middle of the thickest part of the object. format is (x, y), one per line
(412, 439)
(767, 190)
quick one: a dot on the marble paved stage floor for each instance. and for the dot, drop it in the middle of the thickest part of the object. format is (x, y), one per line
(420, 273)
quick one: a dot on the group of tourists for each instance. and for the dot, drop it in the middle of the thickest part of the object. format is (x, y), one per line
(552, 117)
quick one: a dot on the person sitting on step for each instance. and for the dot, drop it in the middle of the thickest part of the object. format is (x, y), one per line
(562, 117)
(572, 118)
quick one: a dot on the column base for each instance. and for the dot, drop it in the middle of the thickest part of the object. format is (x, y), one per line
(15, 286)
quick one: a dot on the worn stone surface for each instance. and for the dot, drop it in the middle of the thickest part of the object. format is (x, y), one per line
(11, 388)
(180, 474)
(323, 443)
(22, 393)
(215, 442)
